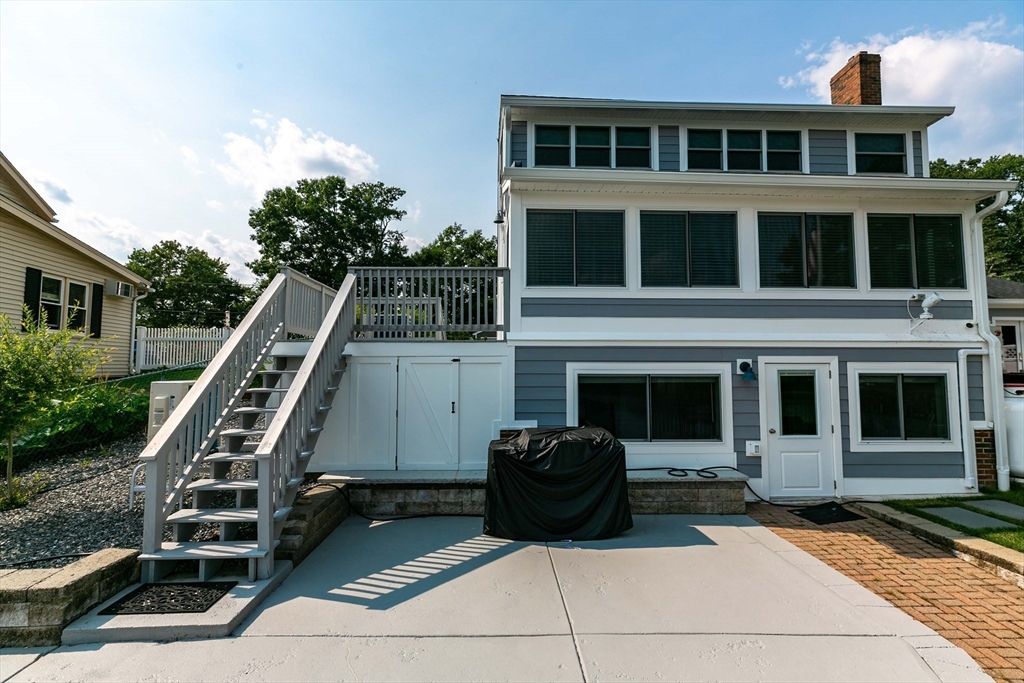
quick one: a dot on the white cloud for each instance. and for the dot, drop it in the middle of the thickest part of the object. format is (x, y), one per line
(191, 160)
(413, 244)
(51, 188)
(287, 154)
(215, 205)
(970, 69)
(234, 252)
(415, 212)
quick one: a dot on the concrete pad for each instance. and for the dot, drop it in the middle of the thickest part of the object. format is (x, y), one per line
(953, 664)
(858, 595)
(1000, 507)
(420, 577)
(550, 658)
(752, 658)
(896, 621)
(968, 518)
(691, 584)
(14, 659)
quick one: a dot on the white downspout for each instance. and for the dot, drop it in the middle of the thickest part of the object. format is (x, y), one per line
(995, 360)
(134, 351)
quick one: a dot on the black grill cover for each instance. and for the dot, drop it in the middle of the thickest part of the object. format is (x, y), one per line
(556, 484)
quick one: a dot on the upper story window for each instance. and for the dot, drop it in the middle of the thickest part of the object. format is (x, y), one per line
(552, 148)
(915, 252)
(688, 249)
(632, 147)
(784, 150)
(594, 146)
(704, 150)
(744, 150)
(881, 152)
(574, 248)
(806, 250)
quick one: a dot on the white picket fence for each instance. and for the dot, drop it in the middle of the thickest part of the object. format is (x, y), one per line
(159, 347)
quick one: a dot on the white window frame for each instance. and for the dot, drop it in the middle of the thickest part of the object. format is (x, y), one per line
(762, 151)
(683, 448)
(1018, 323)
(800, 154)
(908, 160)
(62, 304)
(857, 442)
(84, 307)
(639, 253)
(805, 288)
(723, 150)
(626, 255)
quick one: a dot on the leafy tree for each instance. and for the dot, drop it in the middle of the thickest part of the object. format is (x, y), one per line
(36, 367)
(191, 287)
(1004, 230)
(322, 226)
(454, 247)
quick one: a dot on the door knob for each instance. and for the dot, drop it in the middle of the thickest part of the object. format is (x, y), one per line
(771, 431)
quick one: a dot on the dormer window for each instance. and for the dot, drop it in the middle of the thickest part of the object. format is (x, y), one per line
(744, 150)
(881, 153)
(552, 147)
(632, 147)
(704, 150)
(784, 150)
(594, 146)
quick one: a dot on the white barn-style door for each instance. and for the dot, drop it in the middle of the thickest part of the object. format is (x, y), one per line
(800, 430)
(428, 420)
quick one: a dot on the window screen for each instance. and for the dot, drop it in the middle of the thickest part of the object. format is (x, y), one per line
(652, 408)
(704, 150)
(938, 251)
(599, 248)
(744, 150)
(903, 407)
(549, 248)
(552, 146)
(784, 151)
(632, 147)
(713, 261)
(682, 250)
(593, 146)
(663, 257)
(919, 251)
(806, 250)
(881, 152)
(569, 248)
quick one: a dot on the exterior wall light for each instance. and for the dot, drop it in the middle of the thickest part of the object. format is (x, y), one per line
(748, 372)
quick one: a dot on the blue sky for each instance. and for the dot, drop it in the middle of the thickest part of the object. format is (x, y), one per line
(147, 121)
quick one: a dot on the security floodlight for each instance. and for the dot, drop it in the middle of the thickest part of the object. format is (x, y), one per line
(927, 304)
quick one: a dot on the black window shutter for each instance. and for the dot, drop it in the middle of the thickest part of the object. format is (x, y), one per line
(33, 283)
(96, 310)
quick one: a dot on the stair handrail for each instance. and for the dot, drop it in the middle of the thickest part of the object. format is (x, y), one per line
(277, 455)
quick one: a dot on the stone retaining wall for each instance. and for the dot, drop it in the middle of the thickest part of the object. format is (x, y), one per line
(36, 604)
(313, 517)
(687, 497)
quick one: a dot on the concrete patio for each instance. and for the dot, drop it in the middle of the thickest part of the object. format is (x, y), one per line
(680, 597)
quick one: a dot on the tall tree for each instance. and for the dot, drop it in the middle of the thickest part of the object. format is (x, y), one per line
(190, 287)
(322, 226)
(454, 247)
(1004, 230)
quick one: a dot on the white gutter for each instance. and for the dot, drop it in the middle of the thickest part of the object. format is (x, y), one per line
(966, 428)
(995, 359)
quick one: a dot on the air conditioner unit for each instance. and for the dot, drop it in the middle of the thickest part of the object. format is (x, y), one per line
(125, 290)
(164, 397)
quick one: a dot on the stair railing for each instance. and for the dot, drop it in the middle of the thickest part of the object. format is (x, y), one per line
(177, 450)
(278, 454)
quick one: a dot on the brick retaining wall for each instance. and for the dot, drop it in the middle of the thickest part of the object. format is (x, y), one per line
(985, 454)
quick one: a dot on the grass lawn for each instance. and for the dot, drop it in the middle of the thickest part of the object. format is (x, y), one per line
(143, 381)
(1011, 538)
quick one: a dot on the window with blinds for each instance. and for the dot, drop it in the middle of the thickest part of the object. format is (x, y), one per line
(806, 250)
(920, 251)
(575, 249)
(594, 146)
(679, 249)
(632, 147)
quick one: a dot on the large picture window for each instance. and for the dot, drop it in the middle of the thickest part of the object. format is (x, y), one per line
(914, 252)
(652, 407)
(806, 250)
(679, 249)
(904, 407)
(574, 248)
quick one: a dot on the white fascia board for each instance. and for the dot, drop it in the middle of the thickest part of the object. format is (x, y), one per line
(675, 339)
(1007, 303)
(757, 183)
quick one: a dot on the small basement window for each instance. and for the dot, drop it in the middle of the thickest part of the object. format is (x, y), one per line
(784, 151)
(632, 147)
(552, 146)
(744, 150)
(593, 147)
(881, 153)
(652, 407)
(704, 150)
(51, 301)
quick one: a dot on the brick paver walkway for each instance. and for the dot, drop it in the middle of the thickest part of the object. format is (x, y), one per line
(974, 609)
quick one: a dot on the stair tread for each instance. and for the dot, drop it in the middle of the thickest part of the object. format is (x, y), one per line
(224, 485)
(217, 515)
(207, 550)
(243, 432)
(254, 409)
(267, 390)
(244, 456)
(278, 372)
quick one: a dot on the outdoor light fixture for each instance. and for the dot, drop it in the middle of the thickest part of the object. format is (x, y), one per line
(748, 371)
(499, 217)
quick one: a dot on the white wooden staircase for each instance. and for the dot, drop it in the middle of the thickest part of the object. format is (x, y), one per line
(261, 459)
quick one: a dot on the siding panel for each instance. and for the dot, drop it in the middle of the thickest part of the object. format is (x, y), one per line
(976, 387)
(827, 152)
(519, 142)
(668, 148)
(918, 155)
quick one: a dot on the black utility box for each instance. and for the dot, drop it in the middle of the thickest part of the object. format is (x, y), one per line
(557, 484)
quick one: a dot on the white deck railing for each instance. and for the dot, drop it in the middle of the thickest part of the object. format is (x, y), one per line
(291, 304)
(288, 434)
(422, 302)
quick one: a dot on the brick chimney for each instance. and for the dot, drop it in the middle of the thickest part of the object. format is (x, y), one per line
(859, 82)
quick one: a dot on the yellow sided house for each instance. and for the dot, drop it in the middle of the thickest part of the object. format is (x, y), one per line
(48, 270)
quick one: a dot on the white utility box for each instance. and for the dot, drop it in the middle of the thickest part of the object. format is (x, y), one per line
(164, 397)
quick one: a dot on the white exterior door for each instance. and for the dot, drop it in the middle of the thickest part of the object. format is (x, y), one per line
(800, 433)
(428, 425)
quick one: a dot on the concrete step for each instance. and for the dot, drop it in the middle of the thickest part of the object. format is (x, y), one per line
(221, 515)
(208, 550)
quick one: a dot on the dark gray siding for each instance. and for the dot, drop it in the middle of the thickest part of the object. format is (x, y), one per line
(976, 387)
(827, 152)
(668, 148)
(540, 395)
(918, 155)
(518, 142)
(863, 309)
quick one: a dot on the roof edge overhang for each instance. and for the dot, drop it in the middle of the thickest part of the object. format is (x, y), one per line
(689, 182)
(39, 205)
(839, 114)
(73, 242)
